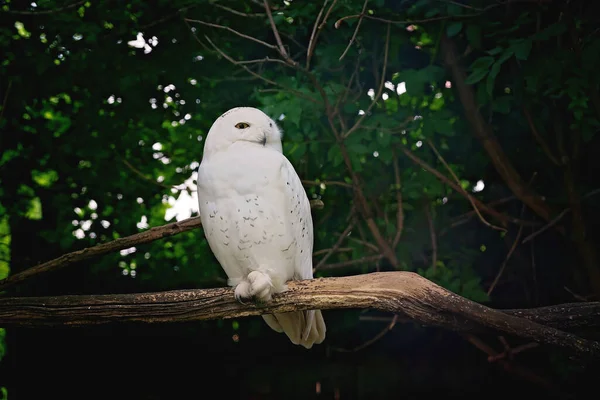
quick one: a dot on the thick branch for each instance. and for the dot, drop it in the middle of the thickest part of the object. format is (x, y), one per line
(404, 293)
(148, 236)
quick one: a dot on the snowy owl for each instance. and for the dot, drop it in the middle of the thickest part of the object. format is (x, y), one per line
(256, 216)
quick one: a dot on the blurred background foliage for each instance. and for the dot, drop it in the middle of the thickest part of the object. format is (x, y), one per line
(477, 120)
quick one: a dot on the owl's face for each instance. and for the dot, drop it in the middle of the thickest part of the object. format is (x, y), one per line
(243, 124)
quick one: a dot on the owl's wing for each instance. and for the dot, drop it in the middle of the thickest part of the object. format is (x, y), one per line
(299, 212)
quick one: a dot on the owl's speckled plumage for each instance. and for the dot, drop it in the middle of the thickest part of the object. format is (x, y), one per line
(256, 216)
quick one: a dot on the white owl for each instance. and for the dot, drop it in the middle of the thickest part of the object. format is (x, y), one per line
(256, 216)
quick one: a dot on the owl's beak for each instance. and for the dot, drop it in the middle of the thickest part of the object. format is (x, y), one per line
(263, 141)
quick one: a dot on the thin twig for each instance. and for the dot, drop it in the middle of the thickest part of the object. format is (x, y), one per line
(463, 218)
(575, 295)
(368, 245)
(5, 100)
(557, 218)
(548, 225)
(144, 177)
(165, 18)
(510, 352)
(231, 10)
(262, 60)
(543, 144)
(456, 3)
(362, 13)
(339, 250)
(439, 156)
(379, 90)
(433, 238)
(374, 339)
(232, 31)
(441, 18)
(312, 42)
(480, 205)
(231, 60)
(45, 12)
(337, 244)
(342, 99)
(389, 21)
(372, 318)
(315, 34)
(192, 29)
(510, 253)
(316, 31)
(517, 370)
(276, 33)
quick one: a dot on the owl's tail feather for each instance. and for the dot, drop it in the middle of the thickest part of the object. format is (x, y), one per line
(302, 327)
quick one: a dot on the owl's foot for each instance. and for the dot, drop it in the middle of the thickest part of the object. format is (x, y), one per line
(261, 286)
(242, 292)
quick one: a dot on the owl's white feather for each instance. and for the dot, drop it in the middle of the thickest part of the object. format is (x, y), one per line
(256, 216)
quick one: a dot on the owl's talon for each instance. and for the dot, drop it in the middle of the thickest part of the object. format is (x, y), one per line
(260, 285)
(242, 292)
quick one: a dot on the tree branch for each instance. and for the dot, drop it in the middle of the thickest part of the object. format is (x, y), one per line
(540, 139)
(234, 62)
(147, 236)
(236, 12)
(400, 211)
(280, 47)
(480, 205)
(470, 198)
(5, 99)
(338, 243)
(316, 30)
(484, 132)
(379, 90)
(432, 236)
(510, 252)
(232, 31)
(45, 12)
(374, 339)
(404, 293)
(515, 369)
(362, 14)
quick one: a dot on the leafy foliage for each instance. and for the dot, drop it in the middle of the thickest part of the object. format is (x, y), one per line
(105, 108)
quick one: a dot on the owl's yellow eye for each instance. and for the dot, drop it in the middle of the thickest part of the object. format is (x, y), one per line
(242, 125)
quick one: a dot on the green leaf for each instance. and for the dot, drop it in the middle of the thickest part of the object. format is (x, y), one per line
(489, 84)
(383, 138)
(415, 84)
(502, 104)
(508, 53)
(298, 150)
(473, 33)
(476, 76)
(44, 179)
(443, 126)
(480, 68)
(358, 148)
(35, 209)
(522, 49)
(454, 28)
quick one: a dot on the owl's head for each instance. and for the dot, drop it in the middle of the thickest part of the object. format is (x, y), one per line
(242, 124)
